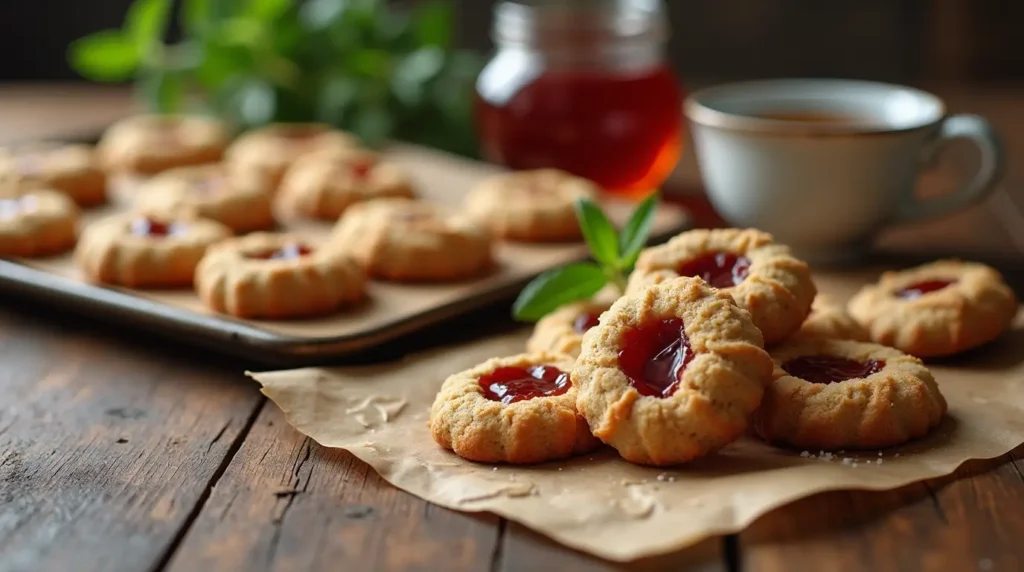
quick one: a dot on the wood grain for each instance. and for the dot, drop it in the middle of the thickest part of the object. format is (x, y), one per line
(524, 550)
(106, 445)
(286, 503)
(972, 520)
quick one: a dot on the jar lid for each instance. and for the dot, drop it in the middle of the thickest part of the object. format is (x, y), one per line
(576, 23)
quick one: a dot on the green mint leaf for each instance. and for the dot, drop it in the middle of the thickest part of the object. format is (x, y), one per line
(432, 22)
(146, 22)
(638, 228)
(107, 55)
(598, 232)
(556, 288)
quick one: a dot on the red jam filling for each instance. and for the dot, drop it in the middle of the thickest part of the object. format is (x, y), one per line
(361, 169)
(290, 251)
(585, 321)
(654, 356)
(830, 369)
(511, 384)
(918, 289)
(155, 228)
(719, 269)
(10, 208)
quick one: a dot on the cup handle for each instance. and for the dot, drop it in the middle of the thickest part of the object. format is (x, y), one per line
(993, 163)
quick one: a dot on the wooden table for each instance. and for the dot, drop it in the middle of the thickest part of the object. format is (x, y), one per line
(119, 452)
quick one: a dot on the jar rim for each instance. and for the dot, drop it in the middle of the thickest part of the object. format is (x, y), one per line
(559, 22)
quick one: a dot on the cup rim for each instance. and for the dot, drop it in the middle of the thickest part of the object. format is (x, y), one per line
(699, 112)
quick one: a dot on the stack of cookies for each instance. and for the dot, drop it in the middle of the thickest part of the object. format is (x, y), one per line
(206, 213)
(721, 331)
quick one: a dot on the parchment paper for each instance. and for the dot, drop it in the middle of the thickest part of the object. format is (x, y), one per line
(602, 505)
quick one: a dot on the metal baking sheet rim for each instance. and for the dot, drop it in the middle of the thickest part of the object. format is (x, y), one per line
(234, 336)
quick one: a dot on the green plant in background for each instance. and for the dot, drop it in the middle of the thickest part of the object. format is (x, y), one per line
(362, 65)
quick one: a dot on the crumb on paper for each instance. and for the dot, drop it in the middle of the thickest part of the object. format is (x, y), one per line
(665, 477)
(639, 503)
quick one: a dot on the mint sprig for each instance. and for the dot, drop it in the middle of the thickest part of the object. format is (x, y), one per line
(614, 255)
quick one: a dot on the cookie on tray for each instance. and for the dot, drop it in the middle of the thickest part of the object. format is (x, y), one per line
(531, 206)
(937, 309)
(243, 204)
(149, 144)
(841, 394)
(275, 275)
(36, 222)
(519, 409)
(70, 169)
(562, 331)
(413, 241)
(322, 185)
(763, 277)
(268, 151)
(829, 319)
(143, 250)
(671, 373)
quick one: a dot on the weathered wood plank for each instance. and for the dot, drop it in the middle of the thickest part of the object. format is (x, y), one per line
(106, 445)
(973, 520)
(286, 503)
(523, 550)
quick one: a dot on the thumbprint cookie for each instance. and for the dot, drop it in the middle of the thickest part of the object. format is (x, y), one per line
(841, 394)
(270, 276)
(149, 144)
(322, 185)
(412, 241)
(562, 331)
(763, 277)
(37, 223)
(519, 409)
(70, 169)
(938, 309)
(531, 206)
(828, 319)
(144, 250)
(671, 373)
(267, 152)
(242, 203)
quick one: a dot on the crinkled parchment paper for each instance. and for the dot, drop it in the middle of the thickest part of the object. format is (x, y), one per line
(607, 507)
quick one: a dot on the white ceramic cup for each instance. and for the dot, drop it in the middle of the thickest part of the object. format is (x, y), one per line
(825, 185)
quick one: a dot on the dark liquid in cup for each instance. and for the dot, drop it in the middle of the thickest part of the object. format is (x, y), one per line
(809, 116)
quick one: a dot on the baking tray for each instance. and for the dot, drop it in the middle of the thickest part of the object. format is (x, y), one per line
(393, 310)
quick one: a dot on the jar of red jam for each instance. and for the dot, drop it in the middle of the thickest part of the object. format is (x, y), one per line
(584, 86)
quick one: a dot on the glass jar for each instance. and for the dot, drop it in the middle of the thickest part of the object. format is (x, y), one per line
(582, 85)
